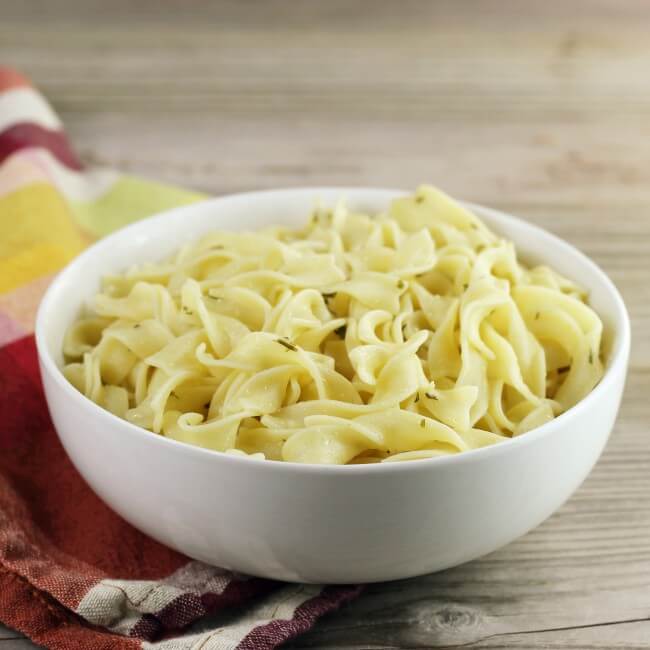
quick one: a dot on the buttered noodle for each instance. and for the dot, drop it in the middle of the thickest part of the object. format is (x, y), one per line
(357, 339)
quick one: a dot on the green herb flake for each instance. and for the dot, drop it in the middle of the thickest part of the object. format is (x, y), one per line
(135, 327)
(419, 199)
(286, 344)
(465, 286)
(401, 284)
(591, 357)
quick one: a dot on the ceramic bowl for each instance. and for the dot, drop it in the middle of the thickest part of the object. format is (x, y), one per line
(312, 523)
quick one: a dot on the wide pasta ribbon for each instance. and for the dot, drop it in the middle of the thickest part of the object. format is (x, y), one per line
(356, 339)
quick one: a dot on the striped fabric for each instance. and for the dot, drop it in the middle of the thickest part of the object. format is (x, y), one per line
(72, 573)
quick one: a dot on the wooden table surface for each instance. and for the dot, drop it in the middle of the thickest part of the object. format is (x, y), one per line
(541, 109)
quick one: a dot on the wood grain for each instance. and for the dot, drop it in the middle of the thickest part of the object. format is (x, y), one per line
(541, 109)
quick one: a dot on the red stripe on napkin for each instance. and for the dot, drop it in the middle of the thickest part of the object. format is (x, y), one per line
(45, 622)
(25, 135)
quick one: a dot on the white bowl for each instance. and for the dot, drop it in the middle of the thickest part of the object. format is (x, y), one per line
(311, 523)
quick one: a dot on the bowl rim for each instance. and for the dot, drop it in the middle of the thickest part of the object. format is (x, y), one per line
(619, 353)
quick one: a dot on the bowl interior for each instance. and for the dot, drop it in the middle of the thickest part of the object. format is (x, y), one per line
(157, 237)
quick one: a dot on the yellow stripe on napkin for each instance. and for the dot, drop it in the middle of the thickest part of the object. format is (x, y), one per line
(37, 235)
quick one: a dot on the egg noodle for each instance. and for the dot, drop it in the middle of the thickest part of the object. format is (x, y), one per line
(356, 339)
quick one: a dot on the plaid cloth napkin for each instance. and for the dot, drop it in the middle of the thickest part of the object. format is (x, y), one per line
(72, 573)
